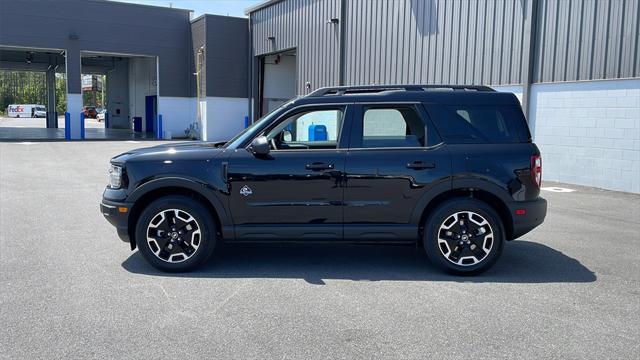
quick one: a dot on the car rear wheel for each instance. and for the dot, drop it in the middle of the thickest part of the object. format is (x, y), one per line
(464, 236)
(176, 234)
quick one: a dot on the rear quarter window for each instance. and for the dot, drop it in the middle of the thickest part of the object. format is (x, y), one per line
(471, 124)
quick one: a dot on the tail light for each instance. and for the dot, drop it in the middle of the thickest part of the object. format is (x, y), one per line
(536, 169)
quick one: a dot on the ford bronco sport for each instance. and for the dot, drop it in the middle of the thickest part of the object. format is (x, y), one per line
(450, 168)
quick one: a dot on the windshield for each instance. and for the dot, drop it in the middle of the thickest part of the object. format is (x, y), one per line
(40, 108)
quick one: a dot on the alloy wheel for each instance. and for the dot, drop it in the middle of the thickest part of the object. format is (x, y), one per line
(173, 235)
(465, 238)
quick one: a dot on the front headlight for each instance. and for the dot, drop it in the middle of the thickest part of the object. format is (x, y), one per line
(115, 176)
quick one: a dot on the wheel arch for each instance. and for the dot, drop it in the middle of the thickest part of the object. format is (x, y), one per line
(488, 197)
(156, 189)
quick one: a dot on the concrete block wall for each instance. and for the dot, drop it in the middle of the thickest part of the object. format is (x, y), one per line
(589, 132)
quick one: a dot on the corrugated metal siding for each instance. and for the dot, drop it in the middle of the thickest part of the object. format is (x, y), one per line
(397, 41)
(434, 41)
(452, 41)
(226, 56)
(587, 40)
(304, 25)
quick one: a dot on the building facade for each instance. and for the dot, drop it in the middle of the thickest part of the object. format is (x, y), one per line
(147, 54)
(575, 65)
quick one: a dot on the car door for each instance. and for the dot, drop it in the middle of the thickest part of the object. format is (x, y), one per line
(294, 192)
(394, 159)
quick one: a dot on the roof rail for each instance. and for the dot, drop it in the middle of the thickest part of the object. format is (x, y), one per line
(341, 90)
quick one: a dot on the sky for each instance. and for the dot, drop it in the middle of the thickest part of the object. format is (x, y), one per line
(199, 7)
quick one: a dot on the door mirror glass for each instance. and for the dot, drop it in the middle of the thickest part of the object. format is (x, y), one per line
(287, 136)
(260, 146)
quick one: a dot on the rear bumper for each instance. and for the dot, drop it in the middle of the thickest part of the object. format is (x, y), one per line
(112, 212)
(534, 214)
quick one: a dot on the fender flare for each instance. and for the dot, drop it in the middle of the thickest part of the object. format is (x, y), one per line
(196, 186)
(459, 184)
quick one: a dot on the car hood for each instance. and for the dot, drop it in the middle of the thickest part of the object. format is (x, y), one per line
(180, 151)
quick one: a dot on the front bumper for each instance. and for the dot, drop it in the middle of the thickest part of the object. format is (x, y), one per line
(526, 216)
(113, 212)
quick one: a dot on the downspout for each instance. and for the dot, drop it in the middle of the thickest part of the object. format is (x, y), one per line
(530, 28)
(343, 27)
(250, 70)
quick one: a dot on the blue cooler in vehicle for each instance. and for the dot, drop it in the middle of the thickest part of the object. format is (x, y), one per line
(318, 133)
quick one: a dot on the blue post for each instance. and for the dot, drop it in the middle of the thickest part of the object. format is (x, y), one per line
(82, 125)
(246, 122)
(106, 120)
(159, 127)
(67, 126)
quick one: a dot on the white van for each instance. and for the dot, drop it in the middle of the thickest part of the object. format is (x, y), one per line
(26, 111)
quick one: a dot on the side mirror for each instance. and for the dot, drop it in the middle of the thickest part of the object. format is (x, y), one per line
(260, 146)
(287, 136)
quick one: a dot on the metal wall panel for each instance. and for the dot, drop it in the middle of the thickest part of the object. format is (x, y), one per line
(227, 52)
(434, 41)
(587, 40)
(453, 41)
(397, 41)
(306, 26)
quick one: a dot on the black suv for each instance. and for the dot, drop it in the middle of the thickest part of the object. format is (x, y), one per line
(452, 168)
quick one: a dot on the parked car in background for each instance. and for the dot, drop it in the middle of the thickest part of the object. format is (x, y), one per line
(101, 114)
(26, 111)
(90, 112)
(451, 168)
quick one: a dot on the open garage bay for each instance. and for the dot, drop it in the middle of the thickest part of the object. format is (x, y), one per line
(69, 288)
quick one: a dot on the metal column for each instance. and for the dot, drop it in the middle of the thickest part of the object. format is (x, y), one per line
(74, 92)
(52, 117)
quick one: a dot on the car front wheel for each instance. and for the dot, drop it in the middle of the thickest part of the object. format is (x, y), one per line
(464, 236)
(175, 234)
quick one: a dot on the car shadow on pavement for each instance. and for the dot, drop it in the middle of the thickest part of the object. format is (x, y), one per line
(521, 262)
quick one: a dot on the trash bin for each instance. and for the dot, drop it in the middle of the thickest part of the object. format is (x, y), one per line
(137, 124)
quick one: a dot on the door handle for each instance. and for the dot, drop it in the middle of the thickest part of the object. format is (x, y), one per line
(420, 165)
(319, 166)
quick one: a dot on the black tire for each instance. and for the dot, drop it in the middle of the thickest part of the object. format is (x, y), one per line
(205, 238)
(464, 257)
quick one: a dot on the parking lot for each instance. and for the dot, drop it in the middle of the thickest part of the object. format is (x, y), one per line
(69, 288)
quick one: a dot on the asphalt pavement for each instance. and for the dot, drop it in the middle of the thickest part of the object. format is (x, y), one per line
(69, 288)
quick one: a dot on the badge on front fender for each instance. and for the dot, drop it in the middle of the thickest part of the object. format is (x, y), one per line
(246, 191)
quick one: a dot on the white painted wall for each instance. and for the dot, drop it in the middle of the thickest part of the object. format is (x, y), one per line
(222, 117)
(177, 114)
(142, 83)
(589, 132)
(118, 95)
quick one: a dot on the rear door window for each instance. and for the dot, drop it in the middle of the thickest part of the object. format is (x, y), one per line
(467, 124)
(392, 127)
